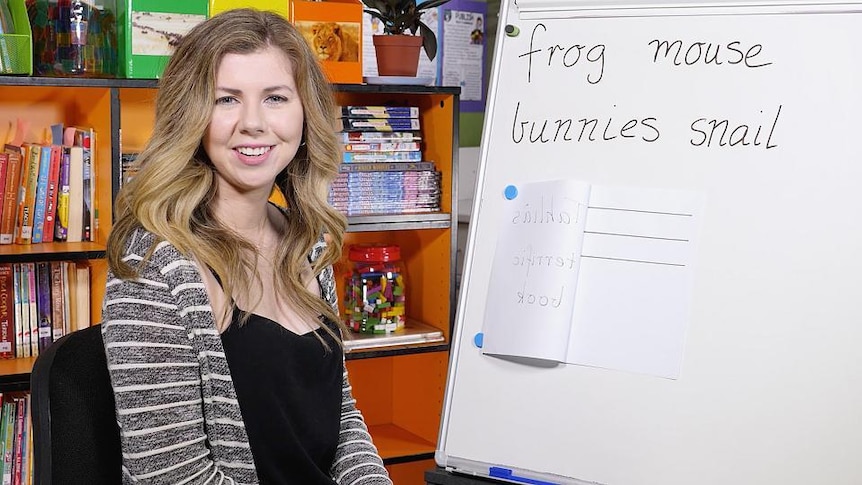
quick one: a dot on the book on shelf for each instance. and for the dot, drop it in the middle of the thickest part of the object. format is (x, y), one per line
(22, 312)
(52, 193)
(88, 143)
(39, 303)
(34, 312)
(9, 419)
(352, 157)
(18, 452)
(10, 194)
(61, 223)
(413, 333)
(7, 312)
(41, 198)
(378, 124)
(74, 208)
(379, 112)
(27, 192)
(58, 317)
(44, 305)
(3, 427)
(16, 438)
(386, 167)
(4, 167)
(81, 304)
(390, 146)
(81, 182)
(380, 136)
(128, 167)
(68, 295)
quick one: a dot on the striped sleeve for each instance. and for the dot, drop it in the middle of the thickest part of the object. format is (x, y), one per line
(155, 373)
(356, 459)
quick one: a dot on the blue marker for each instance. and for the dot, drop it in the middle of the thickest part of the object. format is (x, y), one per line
(478, 339)
(506, 474)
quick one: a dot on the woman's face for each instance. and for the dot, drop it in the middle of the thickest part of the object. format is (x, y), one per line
(257, 121)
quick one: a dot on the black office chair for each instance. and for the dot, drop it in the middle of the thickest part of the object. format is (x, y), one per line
(76, 439)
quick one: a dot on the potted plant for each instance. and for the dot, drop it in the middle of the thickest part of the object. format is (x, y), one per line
(397, 51)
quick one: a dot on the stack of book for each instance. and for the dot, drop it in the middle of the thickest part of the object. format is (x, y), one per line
(16, 437)
(49, 189)
(383, 170)
(39, 303)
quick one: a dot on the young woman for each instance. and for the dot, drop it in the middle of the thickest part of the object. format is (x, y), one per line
(220, 317)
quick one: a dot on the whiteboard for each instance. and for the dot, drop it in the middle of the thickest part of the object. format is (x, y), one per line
(767, 388)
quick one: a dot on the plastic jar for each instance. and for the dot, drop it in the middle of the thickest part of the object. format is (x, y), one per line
(374, 300)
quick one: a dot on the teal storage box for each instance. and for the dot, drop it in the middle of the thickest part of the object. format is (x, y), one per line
(150, 29)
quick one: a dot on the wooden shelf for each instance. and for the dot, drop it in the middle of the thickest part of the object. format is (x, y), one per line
(53, 251)
(84, 82)
(437, 220)
(16, 370)
(396, 444)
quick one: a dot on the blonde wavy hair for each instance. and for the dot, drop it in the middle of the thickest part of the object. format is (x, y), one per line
(175, 186)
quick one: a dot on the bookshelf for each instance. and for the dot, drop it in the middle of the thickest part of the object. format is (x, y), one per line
(399, 386)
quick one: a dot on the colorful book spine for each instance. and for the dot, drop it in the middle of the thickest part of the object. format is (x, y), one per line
(34, 312)
(27, 195)
(379, 124)
(408, 146)
(58, 318)
(44, 304)
(22, 317)
(41, 201)
(19, 441)
(30, 269)
(379, 136)
(53, 189)
(75, 224)
(88, 211)
(61, 224)
(379, 111)
(9, 419)
(352, 157)
(68, 296)
(386, 167)
(3, 426)
(27, 441)
(10, 196)
(7, 312)
(4, 168)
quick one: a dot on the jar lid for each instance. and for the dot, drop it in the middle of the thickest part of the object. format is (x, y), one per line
(374, 252)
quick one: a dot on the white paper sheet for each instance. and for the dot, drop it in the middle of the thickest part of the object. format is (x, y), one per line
(612, 290)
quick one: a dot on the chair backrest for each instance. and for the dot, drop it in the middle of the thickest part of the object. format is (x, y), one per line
(75, 434)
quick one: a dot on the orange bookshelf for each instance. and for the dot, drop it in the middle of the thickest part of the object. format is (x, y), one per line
(399, 388)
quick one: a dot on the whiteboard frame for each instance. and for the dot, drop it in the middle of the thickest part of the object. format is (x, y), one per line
(563, 9)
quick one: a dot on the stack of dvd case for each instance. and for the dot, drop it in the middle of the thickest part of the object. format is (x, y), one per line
(383, 170)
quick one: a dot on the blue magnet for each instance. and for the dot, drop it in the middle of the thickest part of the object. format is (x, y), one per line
(511, 192)
(477, 340)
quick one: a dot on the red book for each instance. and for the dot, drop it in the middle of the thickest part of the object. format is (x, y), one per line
(7, 312)
(9, 214)
(19, 441)
(4, 165)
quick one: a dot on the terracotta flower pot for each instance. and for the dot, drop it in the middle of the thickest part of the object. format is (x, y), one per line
(397, 55)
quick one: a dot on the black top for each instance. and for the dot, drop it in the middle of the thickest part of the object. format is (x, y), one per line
(289, 392)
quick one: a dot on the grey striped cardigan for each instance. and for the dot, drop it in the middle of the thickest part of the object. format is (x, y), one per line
(179, 419)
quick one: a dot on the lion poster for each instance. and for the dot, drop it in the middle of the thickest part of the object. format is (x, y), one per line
(332, 41)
